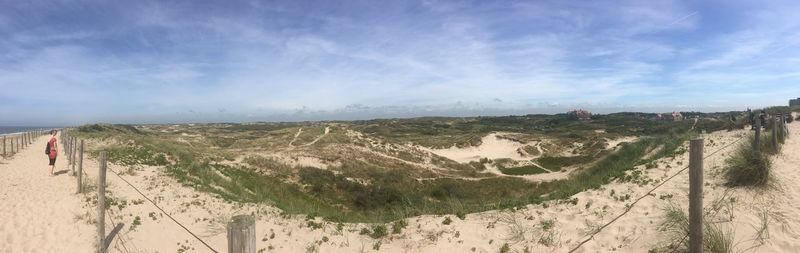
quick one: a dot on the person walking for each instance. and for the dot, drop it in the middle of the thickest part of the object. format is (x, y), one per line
(52, 150)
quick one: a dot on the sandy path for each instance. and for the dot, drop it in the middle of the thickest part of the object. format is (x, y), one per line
(299, 131)
(327, 131)
(38, 211)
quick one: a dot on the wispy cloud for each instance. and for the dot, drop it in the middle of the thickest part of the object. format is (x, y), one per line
(126, 60)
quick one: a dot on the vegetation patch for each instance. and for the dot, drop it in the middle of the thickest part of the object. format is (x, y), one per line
(524, 170)
(557, 163)
(748, 166)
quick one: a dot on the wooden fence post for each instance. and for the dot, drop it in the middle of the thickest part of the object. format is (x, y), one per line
(68, 148)
(780, 125)
(80, 169)
(4, 146)
(73, 155)
(242, 234)
(696, 196)
(775, 134)
(101, 204)
(757, 142)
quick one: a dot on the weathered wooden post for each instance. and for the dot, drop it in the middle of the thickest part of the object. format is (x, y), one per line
(696, 196)
(757, 142)
(775, 134)
(69, 151)
(101, 204)
(80, 169)
(242, 234)
(4, 146)
(72, 157)
(74, 153)
(780, 127)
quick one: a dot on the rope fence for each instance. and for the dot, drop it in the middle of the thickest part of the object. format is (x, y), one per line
(629, 207)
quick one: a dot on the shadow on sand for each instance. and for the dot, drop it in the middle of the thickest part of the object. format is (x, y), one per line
(60, 172)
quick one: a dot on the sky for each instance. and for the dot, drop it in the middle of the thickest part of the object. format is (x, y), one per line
(84, 61)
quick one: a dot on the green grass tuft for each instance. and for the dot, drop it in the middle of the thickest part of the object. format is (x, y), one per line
(748, 166)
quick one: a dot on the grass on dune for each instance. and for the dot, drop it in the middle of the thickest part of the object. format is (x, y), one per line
(391, 192)
(676, 224)
(523, 170)
(394, 195)
(750, 166)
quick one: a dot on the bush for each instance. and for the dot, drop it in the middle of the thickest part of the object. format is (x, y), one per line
(447, 220)
(398, 226)
(378, 231)
(748, 166)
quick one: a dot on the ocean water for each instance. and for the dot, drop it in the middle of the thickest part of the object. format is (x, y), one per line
(4, 130)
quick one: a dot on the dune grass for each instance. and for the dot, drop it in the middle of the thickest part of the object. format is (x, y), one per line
(750, 166)
(676, 224)
(365, 188)
(394, 195)
(557, 163)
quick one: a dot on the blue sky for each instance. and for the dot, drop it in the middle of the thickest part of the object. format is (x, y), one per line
(73, 62)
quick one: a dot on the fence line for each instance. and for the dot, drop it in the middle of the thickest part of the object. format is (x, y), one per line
(164, 212)
(73, 149)
(628, 209)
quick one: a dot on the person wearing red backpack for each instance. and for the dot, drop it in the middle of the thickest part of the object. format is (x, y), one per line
(52, 150)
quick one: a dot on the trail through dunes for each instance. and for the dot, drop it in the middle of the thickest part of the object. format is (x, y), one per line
(37, 211)
(327, 130)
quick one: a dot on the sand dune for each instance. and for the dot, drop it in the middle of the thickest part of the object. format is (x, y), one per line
(491, 147)
(41, 214)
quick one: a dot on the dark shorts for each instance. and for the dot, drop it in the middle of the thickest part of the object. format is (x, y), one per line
(52, 161)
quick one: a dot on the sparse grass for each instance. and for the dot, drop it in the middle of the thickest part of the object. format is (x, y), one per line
(717, 240)
(557, 163)
(268, 164)
(676, 224)
(371, 188)
(398, 226)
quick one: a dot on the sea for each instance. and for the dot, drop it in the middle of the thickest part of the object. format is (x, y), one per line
(6, 130)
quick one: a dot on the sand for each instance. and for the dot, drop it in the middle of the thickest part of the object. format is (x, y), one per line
(35, 222)
(492, 147)
(37, 212)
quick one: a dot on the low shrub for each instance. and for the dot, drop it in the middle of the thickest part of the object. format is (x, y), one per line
(398, 226)
(378, 231)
